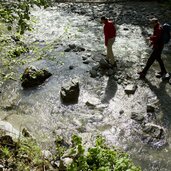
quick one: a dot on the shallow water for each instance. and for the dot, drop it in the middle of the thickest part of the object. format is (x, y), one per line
(41, 112)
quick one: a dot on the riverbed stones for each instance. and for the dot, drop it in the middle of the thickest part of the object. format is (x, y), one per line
(130, 89)
(74, 48)
(155, 131)
(70, 92)
(34, 77)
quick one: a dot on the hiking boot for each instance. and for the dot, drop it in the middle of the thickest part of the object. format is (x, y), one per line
(141, 75)
(161, 74)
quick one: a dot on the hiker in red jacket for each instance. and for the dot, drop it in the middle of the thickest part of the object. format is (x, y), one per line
(109, 35)
(157, 45)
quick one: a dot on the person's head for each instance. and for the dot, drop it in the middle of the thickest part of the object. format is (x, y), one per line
(103, 19)
(154, 21)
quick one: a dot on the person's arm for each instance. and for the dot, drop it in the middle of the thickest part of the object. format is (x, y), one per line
(156, 36)
(106, 30)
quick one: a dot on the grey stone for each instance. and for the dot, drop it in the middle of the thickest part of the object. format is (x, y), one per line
(103, 63)
(47, 154)
(93, 73)
(34, 77)
(110, 72)
(96, 67)
(64, 163)
(71, 67)
(150, 108)
(121, 112)
(130, 89)
(70, 92)
(137, 117)
(155, 131)
(8, 129)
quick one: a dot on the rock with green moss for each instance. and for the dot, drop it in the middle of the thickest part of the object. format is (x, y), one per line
(34, 77)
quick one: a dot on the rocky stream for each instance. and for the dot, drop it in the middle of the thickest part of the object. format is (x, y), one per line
(132, 114)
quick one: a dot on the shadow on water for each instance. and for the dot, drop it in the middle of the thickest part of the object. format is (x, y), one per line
(164, 99)
(110, 90)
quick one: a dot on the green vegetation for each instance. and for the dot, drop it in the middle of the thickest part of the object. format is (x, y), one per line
(99, 158)
(17, 13)
(25, 154)
(22, 155)
(14, 21)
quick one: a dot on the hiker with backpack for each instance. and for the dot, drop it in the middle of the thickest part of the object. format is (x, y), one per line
(157, 41)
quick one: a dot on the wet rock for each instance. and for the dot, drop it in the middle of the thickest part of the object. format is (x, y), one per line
(34, 77)
(110, 72)
(64, 163)
(86, 61)
(47, 154)
(119, 81)
(96, 67)
(130, 89)
(137, 117)
(70, 92)
(104, 64)
(84, 58)
(67, 50)
(155, 131)
(8, 129)
(150, 108)
(92, 103)
(93, 73)
(74, 48)
(26, 133)
(126, 29)
(121, 112)
(71, 67)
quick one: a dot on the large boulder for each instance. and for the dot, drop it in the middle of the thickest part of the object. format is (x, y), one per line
(34, 77)
(70, 92)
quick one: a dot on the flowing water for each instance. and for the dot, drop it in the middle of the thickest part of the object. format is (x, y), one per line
(41, 112)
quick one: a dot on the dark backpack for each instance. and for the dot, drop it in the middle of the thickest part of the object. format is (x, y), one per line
(166, 33)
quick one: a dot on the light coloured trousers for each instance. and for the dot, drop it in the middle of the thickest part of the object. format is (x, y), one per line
(110, 57)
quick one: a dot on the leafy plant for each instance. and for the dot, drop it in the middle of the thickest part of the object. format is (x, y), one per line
(18, 13)
(99, 158)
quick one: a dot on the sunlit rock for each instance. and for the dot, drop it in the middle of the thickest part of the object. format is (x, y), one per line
(8, 129)
(47, 154)
(130, 89)
(65, 162)
(34, 77)
(70, 92)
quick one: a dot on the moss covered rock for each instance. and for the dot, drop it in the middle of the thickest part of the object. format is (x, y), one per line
(34, 77)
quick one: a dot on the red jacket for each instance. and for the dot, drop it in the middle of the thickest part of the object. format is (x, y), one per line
(109, 31)
(156, 38)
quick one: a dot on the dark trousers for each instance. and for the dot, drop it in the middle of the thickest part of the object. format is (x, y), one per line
(156, 55)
